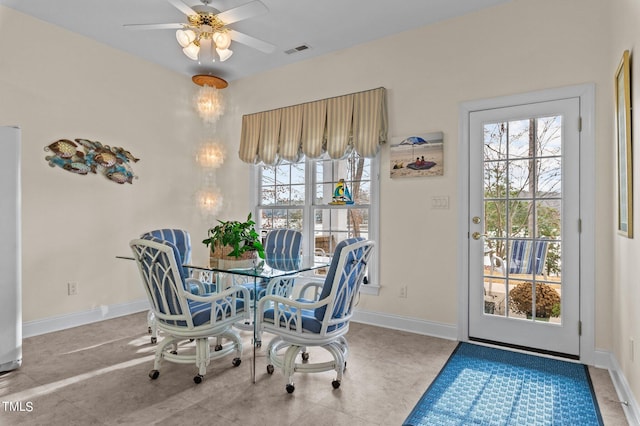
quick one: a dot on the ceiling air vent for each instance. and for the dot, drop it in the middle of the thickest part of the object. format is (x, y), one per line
(296, 49)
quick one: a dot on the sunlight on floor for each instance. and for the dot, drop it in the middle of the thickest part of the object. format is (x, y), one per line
(29, 394)
(135, 342)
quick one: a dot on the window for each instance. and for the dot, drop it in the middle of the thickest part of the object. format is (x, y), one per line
(298, 196)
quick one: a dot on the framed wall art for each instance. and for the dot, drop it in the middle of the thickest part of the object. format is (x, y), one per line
(417, 155)
(624, 146)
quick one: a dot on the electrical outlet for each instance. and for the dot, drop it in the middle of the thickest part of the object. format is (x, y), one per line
(440, 202)
(72, 288)
(403, 292)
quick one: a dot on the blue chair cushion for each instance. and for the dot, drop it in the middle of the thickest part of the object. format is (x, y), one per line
(177, 237)
(329, 280)
(261, 287)
(201, 311)
(184, 272)
(162, 261)
(309, 322)
(174, 308)
(176, 252)
(208, 288)
(282, 249)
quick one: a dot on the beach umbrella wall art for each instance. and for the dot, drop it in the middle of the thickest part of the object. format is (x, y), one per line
(82, 157)
(417, 155)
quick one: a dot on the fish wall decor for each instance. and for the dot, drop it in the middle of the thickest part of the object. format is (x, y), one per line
(82, 156)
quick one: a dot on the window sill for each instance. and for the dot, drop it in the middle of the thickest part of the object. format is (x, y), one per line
(370, 289)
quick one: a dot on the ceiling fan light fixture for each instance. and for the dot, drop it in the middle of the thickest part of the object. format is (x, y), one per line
(206, 24)
(222, 39)
(185, 37)
(191, 51)
(224, 54)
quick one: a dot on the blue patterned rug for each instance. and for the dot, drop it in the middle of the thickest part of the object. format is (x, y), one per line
(486, 386)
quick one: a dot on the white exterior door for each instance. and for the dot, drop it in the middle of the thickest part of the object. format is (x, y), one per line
(524, 218)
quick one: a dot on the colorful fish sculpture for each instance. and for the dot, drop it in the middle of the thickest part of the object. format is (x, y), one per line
(83, 156)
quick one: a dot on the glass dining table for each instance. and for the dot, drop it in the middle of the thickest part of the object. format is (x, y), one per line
(258, 274)
(264, 273)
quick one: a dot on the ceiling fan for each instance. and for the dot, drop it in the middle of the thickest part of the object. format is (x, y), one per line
(206, 30)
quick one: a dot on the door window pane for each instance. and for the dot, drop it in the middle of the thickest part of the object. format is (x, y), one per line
(495, 141)
(522, 219)
(520, 143)
(495, 179)
(549, 181)
(549, 136)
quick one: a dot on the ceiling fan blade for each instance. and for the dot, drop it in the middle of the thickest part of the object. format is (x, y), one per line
(136, 27)
(182, 7)
(260, 45)
(246, 11)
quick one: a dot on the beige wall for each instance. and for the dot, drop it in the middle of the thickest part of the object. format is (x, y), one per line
(55, 84)
(624, 285)
(73, 226)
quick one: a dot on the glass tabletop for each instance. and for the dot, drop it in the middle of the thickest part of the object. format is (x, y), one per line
(262, 270)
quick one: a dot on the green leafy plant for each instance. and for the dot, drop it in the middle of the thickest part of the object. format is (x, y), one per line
(240, 236)
(547, 300)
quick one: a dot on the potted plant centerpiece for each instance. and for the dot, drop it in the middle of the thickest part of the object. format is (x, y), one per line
(234, 244)
(234, 240)
(547, 301)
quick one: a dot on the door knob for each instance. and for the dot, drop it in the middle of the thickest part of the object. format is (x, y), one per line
(476, 235)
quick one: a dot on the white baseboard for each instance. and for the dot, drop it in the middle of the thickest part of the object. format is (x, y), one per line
(629, 403)
(601, 359)
(396, 322)
(412, 325)
(48, 325)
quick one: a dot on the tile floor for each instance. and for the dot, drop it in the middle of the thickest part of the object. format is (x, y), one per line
(98, 374)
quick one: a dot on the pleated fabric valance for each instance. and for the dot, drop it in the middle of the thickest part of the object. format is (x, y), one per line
(337, 126)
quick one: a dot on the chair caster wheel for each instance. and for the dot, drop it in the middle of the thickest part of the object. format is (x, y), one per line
(335, 384)
(154, 340)
(270, 369)
(290, 388)
(259, 344)
(236, 362)
(198, 379)
(153, 374)
(149, 330)
(305, 356)
(218, 348)
(174, 352)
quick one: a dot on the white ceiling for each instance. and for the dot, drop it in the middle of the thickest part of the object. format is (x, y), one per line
(323, 25)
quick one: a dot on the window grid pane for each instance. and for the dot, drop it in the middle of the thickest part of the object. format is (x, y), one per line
(283, 187)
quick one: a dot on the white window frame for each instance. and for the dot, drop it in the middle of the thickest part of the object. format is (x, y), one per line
(373, 277)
